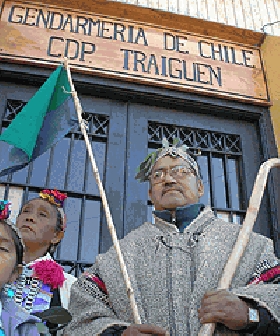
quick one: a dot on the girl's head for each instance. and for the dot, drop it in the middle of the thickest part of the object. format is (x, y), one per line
(11, 248)
(42, 221)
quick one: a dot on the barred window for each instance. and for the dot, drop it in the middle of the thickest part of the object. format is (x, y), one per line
(220, 162)
(66, 167)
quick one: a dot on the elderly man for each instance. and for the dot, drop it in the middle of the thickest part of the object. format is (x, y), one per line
(175, 265)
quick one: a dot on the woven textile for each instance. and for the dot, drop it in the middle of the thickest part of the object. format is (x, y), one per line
(170, 272)
(34, 295)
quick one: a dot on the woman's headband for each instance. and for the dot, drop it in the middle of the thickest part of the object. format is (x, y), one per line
(174, 150)
(56, 198)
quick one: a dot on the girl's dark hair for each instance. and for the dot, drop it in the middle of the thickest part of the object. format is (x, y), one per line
(17, 241)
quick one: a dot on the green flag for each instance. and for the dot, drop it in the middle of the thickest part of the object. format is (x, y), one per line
(48, 116)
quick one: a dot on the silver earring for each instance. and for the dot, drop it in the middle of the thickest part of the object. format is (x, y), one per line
(52, 248)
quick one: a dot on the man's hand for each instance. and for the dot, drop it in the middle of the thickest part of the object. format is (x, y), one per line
(223, 307)
(144, 329)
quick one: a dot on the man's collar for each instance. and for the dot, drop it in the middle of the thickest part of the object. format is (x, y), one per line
(165, 226)
(183, 215)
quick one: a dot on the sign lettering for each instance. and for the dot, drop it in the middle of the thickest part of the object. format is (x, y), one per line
(132, 51)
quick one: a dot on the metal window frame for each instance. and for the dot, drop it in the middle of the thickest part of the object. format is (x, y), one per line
(159, 133)
(78, 264)
(149, 95)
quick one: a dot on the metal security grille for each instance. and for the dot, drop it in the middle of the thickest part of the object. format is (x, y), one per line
(65, 167)
(220, 162)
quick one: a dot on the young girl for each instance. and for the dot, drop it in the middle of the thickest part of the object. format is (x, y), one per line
(15, 321)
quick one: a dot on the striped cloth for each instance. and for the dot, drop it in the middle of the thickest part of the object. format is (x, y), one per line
(43, 294)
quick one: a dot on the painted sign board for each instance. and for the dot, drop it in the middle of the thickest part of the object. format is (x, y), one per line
(143, 53)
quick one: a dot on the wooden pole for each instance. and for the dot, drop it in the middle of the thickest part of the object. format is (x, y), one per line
(244, 234)
(109, 219)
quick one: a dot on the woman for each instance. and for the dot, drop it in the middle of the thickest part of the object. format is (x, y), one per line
(43, 284)
(15, 321)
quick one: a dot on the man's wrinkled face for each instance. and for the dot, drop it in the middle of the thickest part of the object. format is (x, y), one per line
(174, 184)
(8, 257)
(37, 222)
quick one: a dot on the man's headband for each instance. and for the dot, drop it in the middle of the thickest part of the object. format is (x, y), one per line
(174, 150)
(56, 198)
(4, 216)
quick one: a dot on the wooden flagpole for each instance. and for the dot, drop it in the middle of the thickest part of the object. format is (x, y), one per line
(109, 219)
(244, 234)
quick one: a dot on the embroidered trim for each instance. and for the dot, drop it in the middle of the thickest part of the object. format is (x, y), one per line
(31, 292)
(34, 288)
(271, 275)
(94, 291)
(96, 280)
(264, 265)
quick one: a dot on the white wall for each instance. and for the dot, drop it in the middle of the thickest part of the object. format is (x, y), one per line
(249, 14)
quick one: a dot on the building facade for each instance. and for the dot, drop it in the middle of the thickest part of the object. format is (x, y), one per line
(197, 70)
(251, 14)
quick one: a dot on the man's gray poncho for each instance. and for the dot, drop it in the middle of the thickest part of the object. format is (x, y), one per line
(169, 283)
